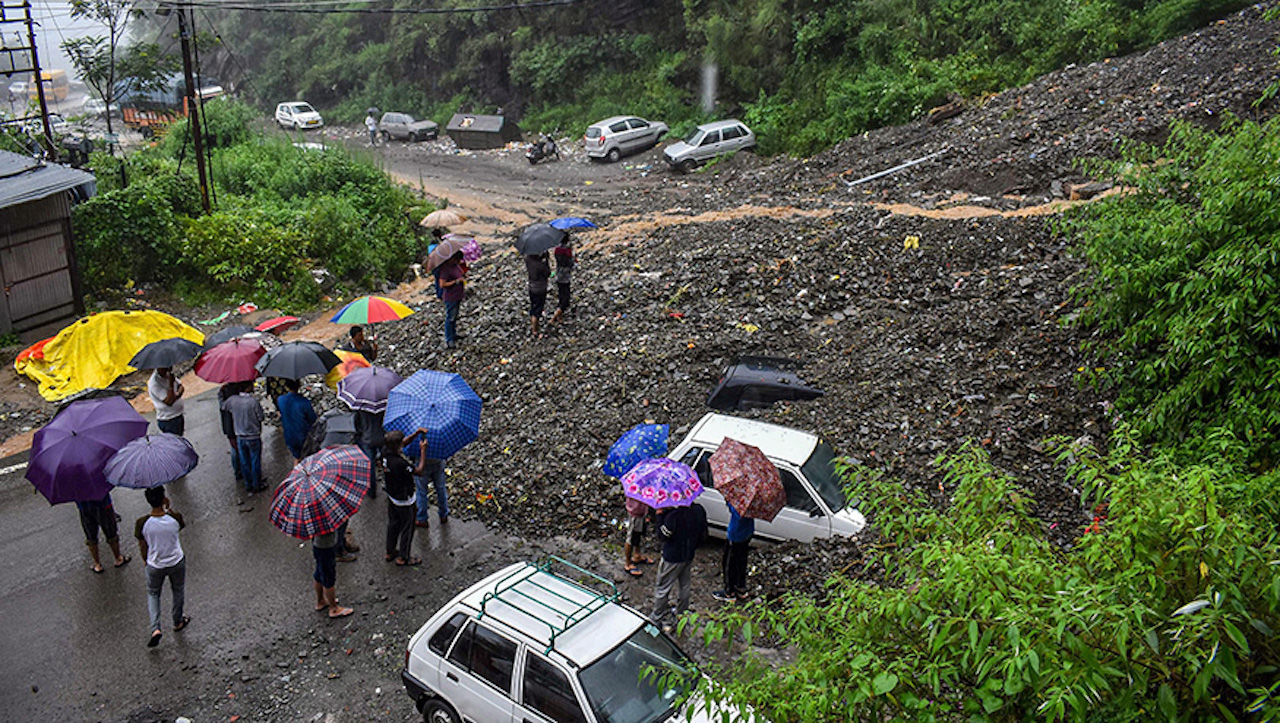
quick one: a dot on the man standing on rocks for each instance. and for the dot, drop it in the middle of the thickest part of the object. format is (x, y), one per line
(452, 279)
(539, 269)
(564, 270)
(366, 348)
(157, 533)
(166, 396)
(682, 529)
(247, 415)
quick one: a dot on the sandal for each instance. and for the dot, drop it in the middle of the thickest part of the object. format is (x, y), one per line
(644, 560)
(124, 560)
(401, 562)
(633, 571)
(155, 639)
(340, 612)
(97, 569)
(182, 624)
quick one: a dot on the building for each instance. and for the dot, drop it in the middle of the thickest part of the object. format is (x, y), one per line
(38, 271)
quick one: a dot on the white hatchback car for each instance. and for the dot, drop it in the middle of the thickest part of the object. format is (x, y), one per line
(613, 137)
(816, 505)
(298, 116)
(528, 644)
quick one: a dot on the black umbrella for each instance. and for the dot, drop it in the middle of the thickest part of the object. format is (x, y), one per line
(538, 238)
(296, 360)
(227, 334)
(165, 353)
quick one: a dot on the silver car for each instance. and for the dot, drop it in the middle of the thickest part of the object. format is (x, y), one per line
(613, 137)
(403, 126)
(708, 141)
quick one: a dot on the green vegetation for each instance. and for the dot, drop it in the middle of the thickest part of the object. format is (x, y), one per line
(1166, 607)
(281, 212)
(804, 74)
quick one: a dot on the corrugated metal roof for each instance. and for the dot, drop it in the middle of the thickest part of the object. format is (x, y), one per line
(24, 179)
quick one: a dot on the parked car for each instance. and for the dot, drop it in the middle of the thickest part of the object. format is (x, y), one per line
(816, 505)
(298, 116)
(533, 643)
(621, 134)
(57, 124)
(403, 126)
(754, 382)
(708, 141)
(95, 107)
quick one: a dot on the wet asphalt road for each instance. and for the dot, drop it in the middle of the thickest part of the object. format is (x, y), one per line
(74, 642)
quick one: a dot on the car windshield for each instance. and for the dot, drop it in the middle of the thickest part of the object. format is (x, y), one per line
(618, 687)
(695, 137)
(302, 108)
(820, 469)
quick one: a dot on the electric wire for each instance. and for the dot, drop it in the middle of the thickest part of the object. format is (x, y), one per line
(314, 7)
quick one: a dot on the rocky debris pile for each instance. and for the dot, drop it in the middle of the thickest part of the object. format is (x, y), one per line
(924, 333)
(1022, 141)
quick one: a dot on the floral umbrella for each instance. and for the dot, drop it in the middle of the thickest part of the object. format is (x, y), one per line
(662, 482)
(639, 443)
(748, 480)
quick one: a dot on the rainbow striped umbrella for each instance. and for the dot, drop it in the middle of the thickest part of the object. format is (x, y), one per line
(370, 309)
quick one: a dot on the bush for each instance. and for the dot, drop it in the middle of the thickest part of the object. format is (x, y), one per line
(1184, 288)
(131, 235)
(245, 253)
(1165, 609)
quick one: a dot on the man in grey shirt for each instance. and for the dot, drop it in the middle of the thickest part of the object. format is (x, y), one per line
(246, 416)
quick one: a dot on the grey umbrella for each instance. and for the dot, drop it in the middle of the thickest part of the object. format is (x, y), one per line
(165, 353)
(227, 334)
(538, 238)
(296, 360)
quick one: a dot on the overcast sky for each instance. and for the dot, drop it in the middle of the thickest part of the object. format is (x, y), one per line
(54, 25)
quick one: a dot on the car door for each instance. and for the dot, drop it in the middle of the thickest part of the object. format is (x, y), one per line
(803, 518)
(618, 135)
(476, 678)
(641, 133)
(546, 695)
(709, 147)
(731, 139)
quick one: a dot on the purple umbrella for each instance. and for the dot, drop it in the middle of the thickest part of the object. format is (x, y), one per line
(660, 482)
(151, 460)
(367, 388)
(69, 454)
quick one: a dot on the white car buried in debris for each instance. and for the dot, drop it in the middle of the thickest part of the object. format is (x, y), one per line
(528, 644)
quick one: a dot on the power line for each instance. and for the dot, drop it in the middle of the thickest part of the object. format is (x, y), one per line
(325, 7)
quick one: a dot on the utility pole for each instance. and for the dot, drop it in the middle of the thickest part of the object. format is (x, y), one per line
(37, 75)
(193, 106)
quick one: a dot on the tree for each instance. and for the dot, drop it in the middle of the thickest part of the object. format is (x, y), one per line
(111, 70)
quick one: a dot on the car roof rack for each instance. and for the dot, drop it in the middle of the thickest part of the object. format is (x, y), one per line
(559, 620)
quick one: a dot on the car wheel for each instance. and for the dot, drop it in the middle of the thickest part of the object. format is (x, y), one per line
(613, 155)
(413, 138)
(438, 711)
(688, 165)
(296, 126)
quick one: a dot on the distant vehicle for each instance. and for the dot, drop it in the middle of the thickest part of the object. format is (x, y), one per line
(614, 137)
(544, 148)
(56, 85)
(403, 126)
(759, 382)
(97, 107)
(57, 124)
(298, 116)
(20, 89)
(151, 112)
(546, 642)
(708, 141)
(816, 504)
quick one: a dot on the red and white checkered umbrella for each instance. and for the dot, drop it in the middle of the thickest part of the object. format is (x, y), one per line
(323, 491)
(748, 480)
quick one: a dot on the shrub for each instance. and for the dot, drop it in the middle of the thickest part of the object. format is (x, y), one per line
(245, 253)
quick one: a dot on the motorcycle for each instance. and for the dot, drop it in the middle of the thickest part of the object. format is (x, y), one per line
(543, 149)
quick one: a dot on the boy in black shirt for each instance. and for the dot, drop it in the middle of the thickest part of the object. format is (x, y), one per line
(401, 495)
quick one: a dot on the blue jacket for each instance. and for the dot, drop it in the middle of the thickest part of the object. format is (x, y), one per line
(296, 417)
(741, 529)
(682, 530)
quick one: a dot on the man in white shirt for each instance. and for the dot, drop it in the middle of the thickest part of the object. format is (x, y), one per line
(166, 396)
(157, 533)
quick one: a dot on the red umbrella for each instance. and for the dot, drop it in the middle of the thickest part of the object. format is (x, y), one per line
(748, 480)
(278, 324)
(230, 361)
(323, 491)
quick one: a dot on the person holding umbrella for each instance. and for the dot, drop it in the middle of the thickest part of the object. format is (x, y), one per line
(398, 476)
(752, 488)
(733, 561)
(357, 343)
(100, 515)
(297, 414)
(564, 267)
(247, 415)
(157, 534)
(682, 530)
(539, 270)
(166, 396)
(453, 281)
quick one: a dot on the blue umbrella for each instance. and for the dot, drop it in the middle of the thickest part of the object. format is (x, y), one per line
(568, 222)
(441, 403)
(641, 442)
(151, 460)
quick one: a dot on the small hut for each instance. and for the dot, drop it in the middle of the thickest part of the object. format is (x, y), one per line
(481, 132)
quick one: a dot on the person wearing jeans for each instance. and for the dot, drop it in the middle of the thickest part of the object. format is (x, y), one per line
(453, 280)
(431, 477)
(734, 560)
(157, 533)
(247, 415)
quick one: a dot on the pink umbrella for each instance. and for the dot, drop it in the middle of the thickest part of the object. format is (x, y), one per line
(748, 480)
(230, 361)
(278, 324)
(471, 251)
(660, 482)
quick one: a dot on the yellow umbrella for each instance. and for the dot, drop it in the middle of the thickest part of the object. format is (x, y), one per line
(351, 361)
